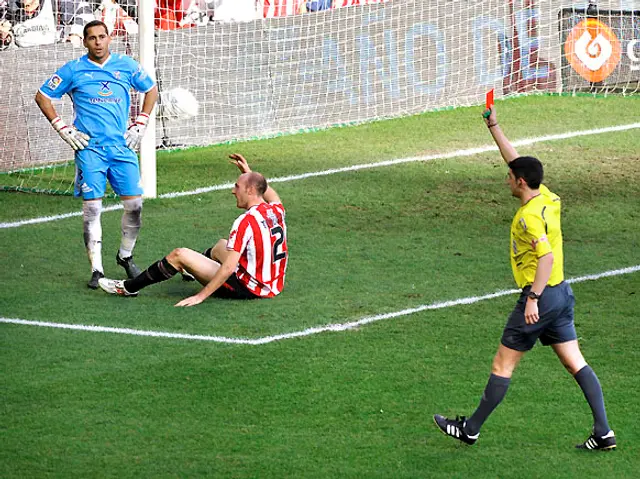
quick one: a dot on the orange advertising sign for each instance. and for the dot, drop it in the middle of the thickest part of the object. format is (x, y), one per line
(593, 50)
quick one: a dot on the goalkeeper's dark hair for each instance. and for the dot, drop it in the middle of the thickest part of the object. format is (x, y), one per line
(94, 23)
(258, 181)
(529, 168)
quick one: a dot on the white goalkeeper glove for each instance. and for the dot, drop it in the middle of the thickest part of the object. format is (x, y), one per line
(134, 134)
(76, 139)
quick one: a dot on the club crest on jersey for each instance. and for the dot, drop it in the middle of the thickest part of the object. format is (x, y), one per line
(54, 82)
(117, 75)
(104, 89)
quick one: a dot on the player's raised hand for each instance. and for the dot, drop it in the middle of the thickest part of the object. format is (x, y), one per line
(134, 134)
(240, 162)
(490, 117)
(76, 139)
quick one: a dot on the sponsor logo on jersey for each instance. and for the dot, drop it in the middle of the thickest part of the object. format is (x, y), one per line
(104, 89)
(593, 50)
(95, 101)
(54, 82)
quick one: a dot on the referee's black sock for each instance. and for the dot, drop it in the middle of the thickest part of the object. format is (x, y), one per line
(588, 382)
(157, 272)
(493, 394)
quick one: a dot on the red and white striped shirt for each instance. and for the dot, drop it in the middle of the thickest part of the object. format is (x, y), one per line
(260, 236)
(280, 8)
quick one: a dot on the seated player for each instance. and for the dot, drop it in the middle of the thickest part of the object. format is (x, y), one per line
(251, 264)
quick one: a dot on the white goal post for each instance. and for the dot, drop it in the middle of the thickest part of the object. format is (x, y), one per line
(363, 61)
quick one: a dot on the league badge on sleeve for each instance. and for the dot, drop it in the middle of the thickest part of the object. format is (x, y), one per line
(54, 82)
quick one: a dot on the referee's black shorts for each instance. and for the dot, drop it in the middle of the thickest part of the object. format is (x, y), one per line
(555, 308)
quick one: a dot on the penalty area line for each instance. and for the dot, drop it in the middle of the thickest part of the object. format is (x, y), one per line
(379, 164)
(309, 331)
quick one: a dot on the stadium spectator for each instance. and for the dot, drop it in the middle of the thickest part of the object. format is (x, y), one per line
(354, 3)
(98, 84)
(318, 5)
(73, 15)
(234, 10)
(174, 14)
(116, 18)
(6, 36)
(544, 310)
(251, 264)
(27, 23)
(281, 8)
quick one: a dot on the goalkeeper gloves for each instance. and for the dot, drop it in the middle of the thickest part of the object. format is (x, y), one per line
(76, 139)
(134, 134)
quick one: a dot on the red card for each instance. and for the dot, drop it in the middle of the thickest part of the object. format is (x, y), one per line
(489, 99)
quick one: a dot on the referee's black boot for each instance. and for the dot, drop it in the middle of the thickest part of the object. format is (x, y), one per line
(599, 443)
(129, 266)
(455, 428)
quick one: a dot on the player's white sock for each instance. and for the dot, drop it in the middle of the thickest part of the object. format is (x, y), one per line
(91, 211)
(131, 222)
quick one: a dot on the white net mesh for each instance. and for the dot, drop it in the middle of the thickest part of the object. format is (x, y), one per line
(300, 69)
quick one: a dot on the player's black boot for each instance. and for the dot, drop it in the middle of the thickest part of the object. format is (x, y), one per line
(455, 428)
(597, 443)
(93, 282)
(129, 266)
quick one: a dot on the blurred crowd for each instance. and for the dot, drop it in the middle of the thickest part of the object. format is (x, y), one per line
(26, 23)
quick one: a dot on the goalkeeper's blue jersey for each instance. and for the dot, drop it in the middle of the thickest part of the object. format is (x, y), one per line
(100, 94)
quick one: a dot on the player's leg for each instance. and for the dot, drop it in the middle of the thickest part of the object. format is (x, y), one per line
(517, 339)
(468, 429)
(219, 252)
(90, 183)
(571, 357)
(561, 336)
(130, 227)
(203, 269)
(92, 229)
(124, 176)
(209, 253)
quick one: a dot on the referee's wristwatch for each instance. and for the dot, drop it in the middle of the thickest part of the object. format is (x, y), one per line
(532, 295)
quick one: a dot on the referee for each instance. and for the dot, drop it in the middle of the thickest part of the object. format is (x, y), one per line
(544, 309)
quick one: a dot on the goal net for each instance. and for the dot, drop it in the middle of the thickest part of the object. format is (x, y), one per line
(284, 67)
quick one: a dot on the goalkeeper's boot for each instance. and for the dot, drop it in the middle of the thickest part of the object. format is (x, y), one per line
(129, 266)
(95, 276)
(455, 428)
(599, 443)
(115, 286)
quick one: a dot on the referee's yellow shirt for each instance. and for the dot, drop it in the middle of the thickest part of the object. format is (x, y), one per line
(535, 232)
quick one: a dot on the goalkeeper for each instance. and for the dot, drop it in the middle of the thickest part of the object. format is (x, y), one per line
(98, 84)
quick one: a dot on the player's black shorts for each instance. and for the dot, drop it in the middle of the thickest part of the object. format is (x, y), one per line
(555, 308)
(234, 289)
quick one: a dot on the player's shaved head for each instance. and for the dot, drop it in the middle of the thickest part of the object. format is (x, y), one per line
(94, 23)
(257, 181)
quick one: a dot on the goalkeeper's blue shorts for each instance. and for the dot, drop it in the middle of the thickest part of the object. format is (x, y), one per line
(97, 164)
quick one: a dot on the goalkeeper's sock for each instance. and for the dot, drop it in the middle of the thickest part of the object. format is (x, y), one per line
(131, 222)
(91, 211)
(159, 271)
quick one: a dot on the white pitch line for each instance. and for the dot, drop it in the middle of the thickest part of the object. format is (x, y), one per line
(308, 331)
(379, 164)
